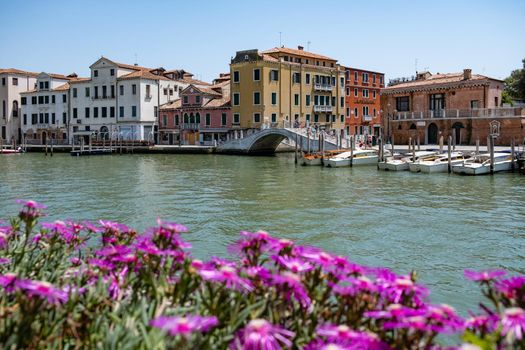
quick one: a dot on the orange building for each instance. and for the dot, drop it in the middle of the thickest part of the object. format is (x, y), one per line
(362, 101)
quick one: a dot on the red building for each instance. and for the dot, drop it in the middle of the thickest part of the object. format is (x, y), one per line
(362, 101)
(202, 115)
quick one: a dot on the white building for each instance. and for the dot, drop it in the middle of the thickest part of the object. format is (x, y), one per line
(12, 83)
(120, 99)
(45, 110)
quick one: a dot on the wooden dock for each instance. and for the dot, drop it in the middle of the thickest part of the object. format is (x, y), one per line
(91, 152)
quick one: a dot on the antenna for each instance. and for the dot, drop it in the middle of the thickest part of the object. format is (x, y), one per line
(280, 38)
(136, 62)
(416, 65)
(308, 45)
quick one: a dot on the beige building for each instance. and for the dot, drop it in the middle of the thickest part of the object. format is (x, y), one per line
(284, 87)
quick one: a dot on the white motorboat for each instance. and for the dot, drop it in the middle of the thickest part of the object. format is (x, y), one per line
(480, 164)
(315, 158)
(358, 157)
(402, 163)
(439, 163)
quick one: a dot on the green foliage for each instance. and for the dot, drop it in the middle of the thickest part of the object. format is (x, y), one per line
(515, 83)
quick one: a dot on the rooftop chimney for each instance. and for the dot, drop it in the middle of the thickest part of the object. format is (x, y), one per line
(467, 74)
(300, 48)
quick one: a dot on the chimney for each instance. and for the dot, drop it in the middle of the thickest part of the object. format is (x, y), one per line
(467, 74)
(300, 48)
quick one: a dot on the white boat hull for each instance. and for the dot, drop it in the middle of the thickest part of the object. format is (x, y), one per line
(481, 169)
(396, 166)
(437, 167)
(337, 163)
(315, 161)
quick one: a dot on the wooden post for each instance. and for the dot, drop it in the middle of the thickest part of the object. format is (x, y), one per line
(380, 144)
(449, 152)
(392, 140)
(477, 146)
(441, 142)
(90, 143)
(454, 139)
(488, 144)
(352, 153)
(512, 153)
(491, 155)
(418, 144)
(409, 144)
(414, 150)
(296, 142)
(321, 147)
(121, 144)
(308, 141)
(46, 148)
(51, 148)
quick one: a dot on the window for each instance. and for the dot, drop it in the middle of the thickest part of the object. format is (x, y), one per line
(256, 98)
(112, 91)
(121, 111)
(171, 92)
(296, 78)
(274, 117)
(347, 91)
(356, 92)
(165, 92)
(274, 75)
(15, 81)
(75, 113)
(197, 99)
(164, 120)
(41, 85)
(75, 92)
(365, 110)
(474, 104)
(365, 77)
(198, 118)
(177, 119)
(46, 120)
(148, 91)
(112, 112)
(52, 98)
(121, 88)
(356, 112)
(381, 79)
(53, 119)
(223, 119)
(185, 99)
(437, 102)
(134, 89)
(104, 91)
(23, 101)
(95, 73)
(46, 84)
(307, 117)
(355, 77)
(347, 111)
(3, 81)
(296, 99)
(333, 101)
(316, 118)
(104, 112)
(342, 118)
(34, 100)
(236, 98)
(307, 78)
(374, 94)
(327, 118)
(236, 76)
(307, 100)
(373, 78)
(402, 104)
(274, 98)
(375, 112)
(15, 108)
(333, 81)
(87, 128)
(41, 118)
(207, 119)
(86, 112)
(256, 117)
(256, 74)
(342, 81)
(112, 72)
(64, 118)
(316, 100)
(34, 118)
(236, 118)
(46, 99)
(133, 111)
(365, 93)
(87, 91)
(342, 102)
(96, 91)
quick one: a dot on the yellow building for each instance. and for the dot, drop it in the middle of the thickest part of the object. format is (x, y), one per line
(284, 87)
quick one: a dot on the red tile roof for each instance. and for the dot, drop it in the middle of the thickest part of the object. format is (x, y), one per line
(17, 71)
(171, 105)
(142, 74)
(295, 52)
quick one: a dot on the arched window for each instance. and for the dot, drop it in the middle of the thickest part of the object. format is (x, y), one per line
(186, 121)
(413, 126)
(176, 120)
(192, 118)
(198, 118)
(15, 108)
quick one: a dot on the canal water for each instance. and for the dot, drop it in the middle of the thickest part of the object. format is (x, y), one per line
(436, 224)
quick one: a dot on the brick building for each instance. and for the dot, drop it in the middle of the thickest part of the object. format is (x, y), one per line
(461, 105)
(362, 101)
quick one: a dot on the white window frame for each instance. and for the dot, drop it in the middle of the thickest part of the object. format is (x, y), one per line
(253, 74)
(256, 104)
(365, 93)
(365, 77)
(236, 118)
(253, 117)
(238, 99)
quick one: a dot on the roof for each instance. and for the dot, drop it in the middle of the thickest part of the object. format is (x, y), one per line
(142, 74)
(63, 87)
(193, 81)
(296, 52)
(362, 70)
(438, 81)
(171, 105)
(17, 71)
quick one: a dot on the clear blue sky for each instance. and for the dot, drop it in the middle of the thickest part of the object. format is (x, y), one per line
(64, 36)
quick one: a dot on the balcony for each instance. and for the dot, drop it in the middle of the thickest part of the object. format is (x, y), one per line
(323, 87)
(367, 118)
(319, 108)
(102, 98)
(190, 126)
(460, 113)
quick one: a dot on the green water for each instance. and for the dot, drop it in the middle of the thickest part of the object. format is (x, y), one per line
(436, 224)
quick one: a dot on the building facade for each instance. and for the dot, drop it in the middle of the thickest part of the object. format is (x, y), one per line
(363, 101)
(460, 105)
(45, 110)
(121, 100)
(12, 83)
(284, 87)
(201, 116)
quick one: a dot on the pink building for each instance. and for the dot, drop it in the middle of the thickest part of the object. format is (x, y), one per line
(201, 116)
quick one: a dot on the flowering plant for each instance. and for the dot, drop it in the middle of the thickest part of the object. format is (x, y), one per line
(84, 285)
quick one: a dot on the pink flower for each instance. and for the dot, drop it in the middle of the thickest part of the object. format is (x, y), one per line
(8, 281)
(513, 322)
(342, 337)
(173, 227)
(31, 209)
(31, 204)
(295, 265)
(290, 285)
(185, 326)
(483, 323)
(484, 276)
(513, 288)
(227, 275)
(44, 290)
(4, 261)
(260, 334)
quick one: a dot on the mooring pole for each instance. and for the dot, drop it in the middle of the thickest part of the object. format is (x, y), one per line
(418, 144)
(352, 152)
(512, 153)
(449, 153)
(477, 146)
(296, 141)
(321, 146)
(492, 155)
(51, 148)
(46, 148)
(454, 139)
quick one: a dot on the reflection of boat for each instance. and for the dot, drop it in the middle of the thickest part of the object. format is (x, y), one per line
(437, 163)
(402, 163)
(360, 157)
(480, 164)
(315, 158)
(10, 151)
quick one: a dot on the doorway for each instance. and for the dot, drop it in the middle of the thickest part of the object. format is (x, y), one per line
(432, 134)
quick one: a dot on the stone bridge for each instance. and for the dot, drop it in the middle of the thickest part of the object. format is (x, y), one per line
(266, 141)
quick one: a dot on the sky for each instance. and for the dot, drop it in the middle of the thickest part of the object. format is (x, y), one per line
(396, 37)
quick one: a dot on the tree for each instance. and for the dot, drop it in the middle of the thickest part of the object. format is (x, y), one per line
(515, 83)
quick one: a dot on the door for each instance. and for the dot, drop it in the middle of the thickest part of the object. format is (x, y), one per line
(432, 134)
(44, 138)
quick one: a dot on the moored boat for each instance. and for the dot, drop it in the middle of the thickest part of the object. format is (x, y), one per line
(402, 163)
(357, 157)
(439, 163)
(480, 164)
(315, 158)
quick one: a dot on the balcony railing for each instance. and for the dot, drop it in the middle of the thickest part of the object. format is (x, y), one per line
(102, 97)
(319, 108)
(460, 113)
(323, 87)
(367, 118)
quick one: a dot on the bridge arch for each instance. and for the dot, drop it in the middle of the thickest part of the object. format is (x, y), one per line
(267, 141)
